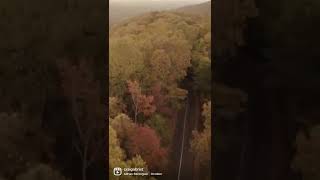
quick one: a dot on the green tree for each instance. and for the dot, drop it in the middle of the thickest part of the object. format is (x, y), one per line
(203, 76)
(161, 125)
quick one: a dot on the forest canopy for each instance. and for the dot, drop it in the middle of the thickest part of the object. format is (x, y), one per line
(159, 48)
(156, 61)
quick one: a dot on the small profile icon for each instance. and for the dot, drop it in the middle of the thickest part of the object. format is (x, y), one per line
(117, 171)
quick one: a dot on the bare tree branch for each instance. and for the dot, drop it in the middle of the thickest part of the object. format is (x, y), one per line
(77, 147)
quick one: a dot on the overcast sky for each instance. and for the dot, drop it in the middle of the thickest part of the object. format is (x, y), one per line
(151, 5)
(169, 1)
(158, 0)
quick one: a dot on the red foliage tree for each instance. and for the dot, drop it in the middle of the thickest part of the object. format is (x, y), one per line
(145, 142)
(161, 100)
(142, 103)
(159, 97)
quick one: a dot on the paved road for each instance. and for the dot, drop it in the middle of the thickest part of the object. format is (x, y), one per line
(181, 159)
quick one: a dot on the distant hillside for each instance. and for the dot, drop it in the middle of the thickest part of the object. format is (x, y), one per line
(202, 9)
(121, 11)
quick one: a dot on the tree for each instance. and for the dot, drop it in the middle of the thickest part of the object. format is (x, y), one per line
(83, 94)
(201, 142)
(203, 76)
(164, 46)
(125, 61)
(51, 29)
(201, 62)
(19, 138)
(161, 125)
(160, 61)
(115, 107)
(206, 113)
(169, 60)
(160, 99)
(141, 103)
(165, 51)
(139, 140)
(116, 154)
(123, 126)
(137, 161)
(117, 158)
(145, 142)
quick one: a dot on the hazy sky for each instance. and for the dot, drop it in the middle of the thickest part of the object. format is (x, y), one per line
(169, 1)
(149, 5)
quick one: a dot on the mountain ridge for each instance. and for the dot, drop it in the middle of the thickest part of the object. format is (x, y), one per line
(199, 9)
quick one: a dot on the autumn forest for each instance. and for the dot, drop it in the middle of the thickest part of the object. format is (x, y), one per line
(159, 90)
(160, 94)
